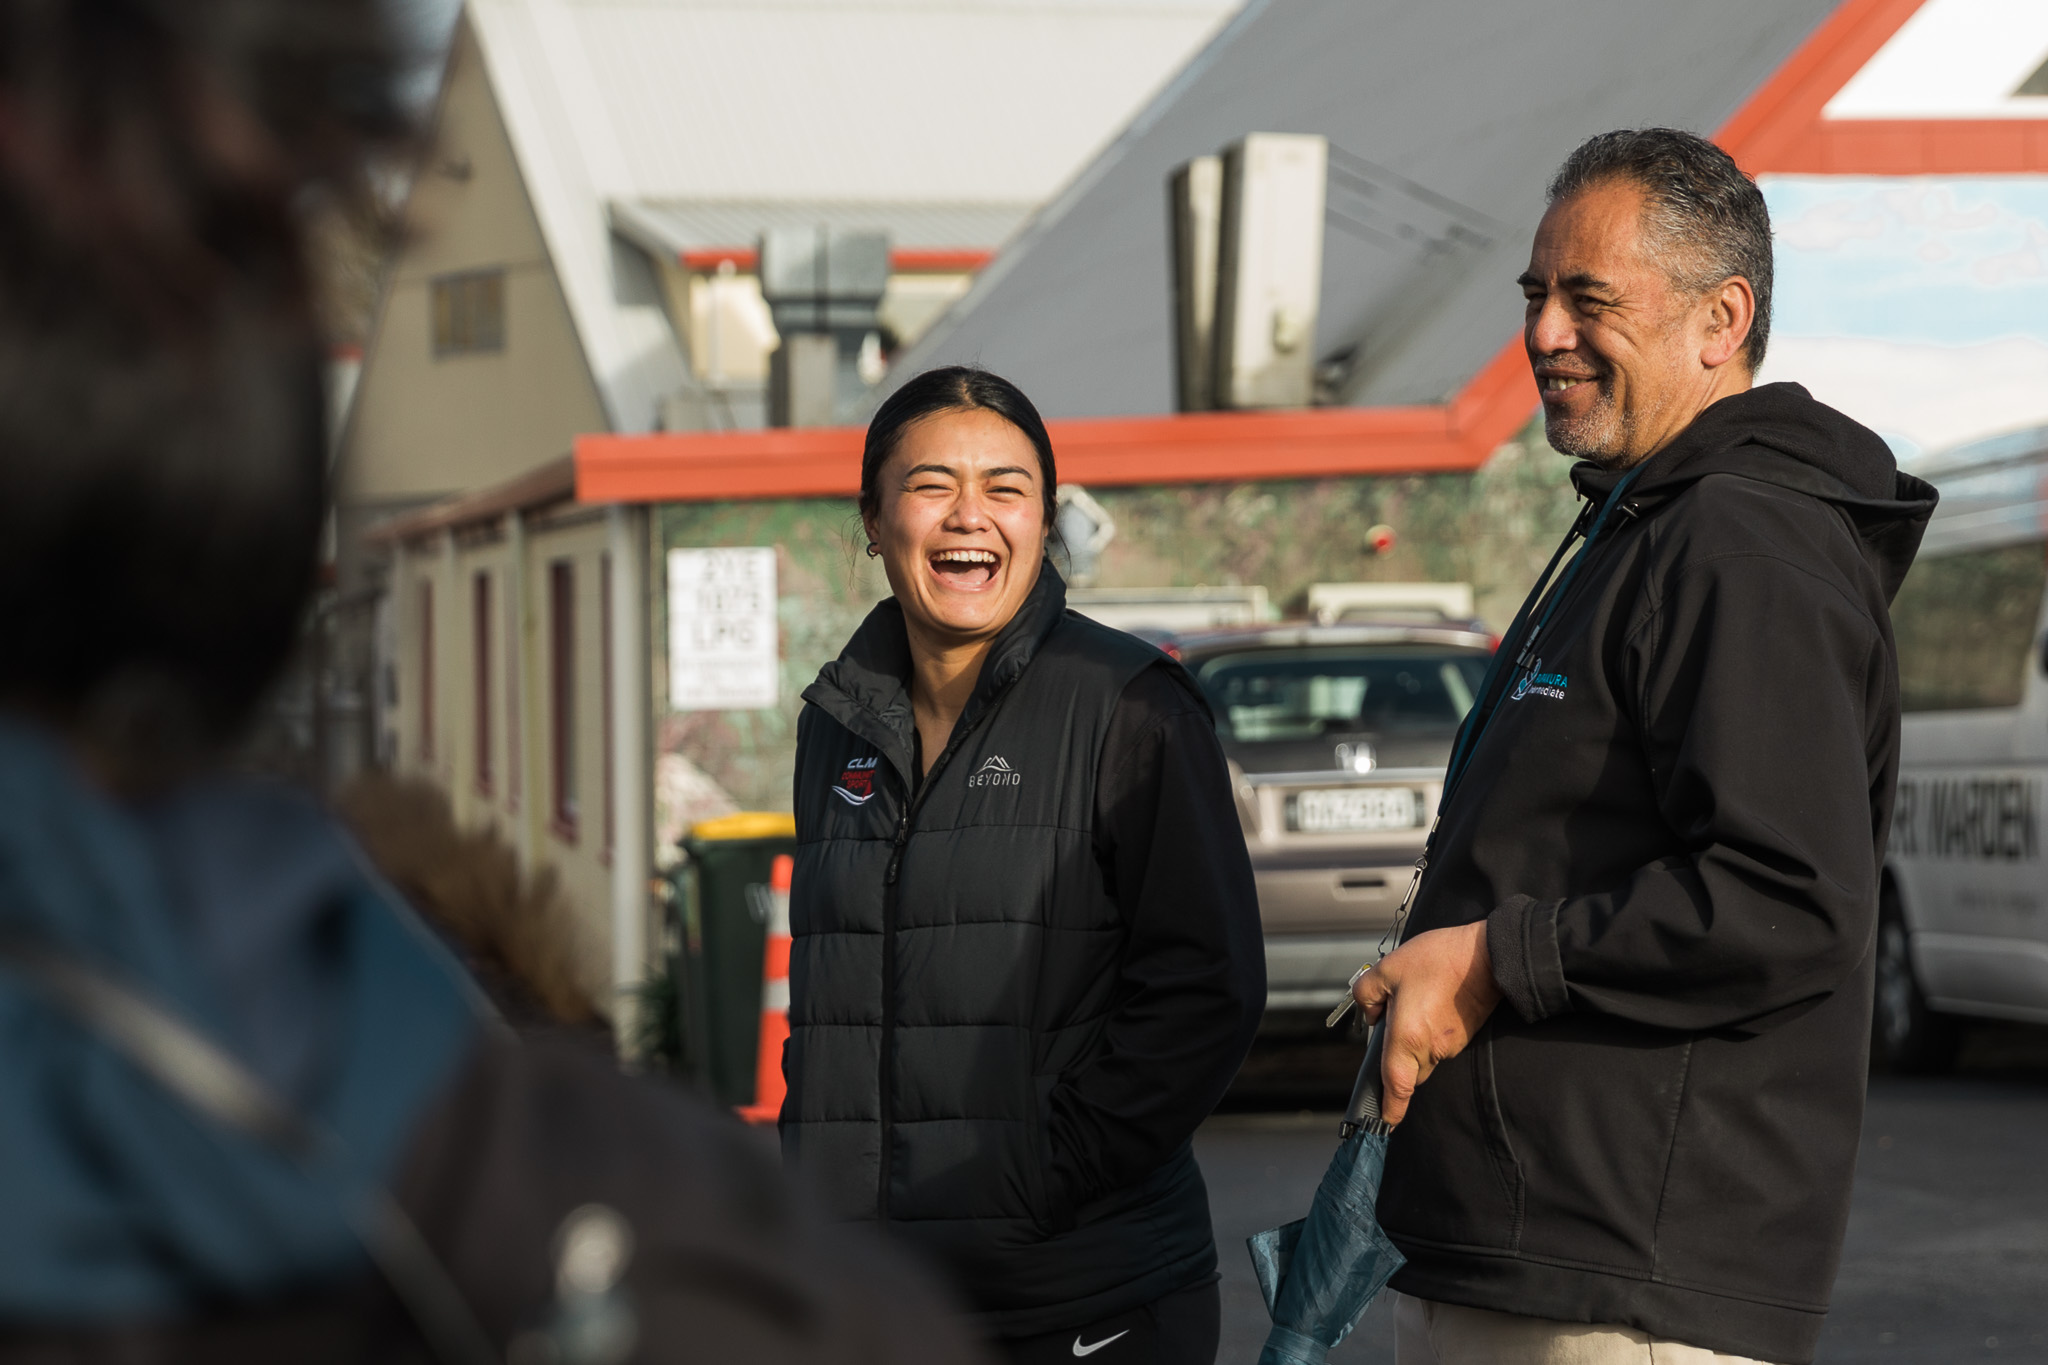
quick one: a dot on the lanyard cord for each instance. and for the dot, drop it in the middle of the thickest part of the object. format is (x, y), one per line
(1488, 706)
(1481, 714)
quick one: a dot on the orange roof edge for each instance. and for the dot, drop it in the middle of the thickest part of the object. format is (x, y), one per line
(1205, 447)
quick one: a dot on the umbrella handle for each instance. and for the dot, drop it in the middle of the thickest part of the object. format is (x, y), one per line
(1364, 1109)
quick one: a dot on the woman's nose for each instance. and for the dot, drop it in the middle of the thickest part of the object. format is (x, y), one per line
(969, 514)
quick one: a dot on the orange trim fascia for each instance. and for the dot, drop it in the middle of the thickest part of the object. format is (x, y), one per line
(939, 260)
(707, 260)
(1917, 147)
(909, 260)
(1200, 447)
(1790, 102)
(1782, 130)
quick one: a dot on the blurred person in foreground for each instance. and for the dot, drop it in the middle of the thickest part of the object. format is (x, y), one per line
(1628, 1024)
(235, 1073)
(1026, 959)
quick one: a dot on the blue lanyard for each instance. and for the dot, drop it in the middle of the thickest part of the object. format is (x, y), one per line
(1482, 713)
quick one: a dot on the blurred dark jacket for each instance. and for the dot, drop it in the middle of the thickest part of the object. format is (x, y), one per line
(139, 1229)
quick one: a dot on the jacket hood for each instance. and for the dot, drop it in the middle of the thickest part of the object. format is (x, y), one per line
(867, 688)
(240, 907)
(1780, 434)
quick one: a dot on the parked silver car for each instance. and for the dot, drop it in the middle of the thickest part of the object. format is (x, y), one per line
(1337, 738)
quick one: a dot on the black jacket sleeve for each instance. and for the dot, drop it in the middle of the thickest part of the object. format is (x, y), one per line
(1193, 982)
(1762, 694)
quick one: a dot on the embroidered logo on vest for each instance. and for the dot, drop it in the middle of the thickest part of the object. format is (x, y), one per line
(996, 771)
(856, 786)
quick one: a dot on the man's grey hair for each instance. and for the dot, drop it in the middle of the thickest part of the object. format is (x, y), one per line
(1704, 220)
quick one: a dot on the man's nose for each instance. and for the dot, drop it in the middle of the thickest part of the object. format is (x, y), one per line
(1551, 330)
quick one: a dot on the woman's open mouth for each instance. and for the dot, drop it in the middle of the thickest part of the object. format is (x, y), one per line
(965, 569)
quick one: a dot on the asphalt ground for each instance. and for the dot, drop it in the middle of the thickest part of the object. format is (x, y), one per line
(1947, 1251)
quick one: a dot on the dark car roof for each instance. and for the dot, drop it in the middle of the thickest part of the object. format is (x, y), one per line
(1197, 645)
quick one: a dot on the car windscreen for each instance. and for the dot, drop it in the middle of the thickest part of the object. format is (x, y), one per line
(1269, 695)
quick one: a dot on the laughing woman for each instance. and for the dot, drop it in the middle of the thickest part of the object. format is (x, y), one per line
(1027, 955)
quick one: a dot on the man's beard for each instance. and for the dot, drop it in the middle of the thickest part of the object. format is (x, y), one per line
(1602, 434)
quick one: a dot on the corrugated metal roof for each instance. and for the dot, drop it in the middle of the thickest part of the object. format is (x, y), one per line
(681, 225)
(1447, 117)
(946, 103)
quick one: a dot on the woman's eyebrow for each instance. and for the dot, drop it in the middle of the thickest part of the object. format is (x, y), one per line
(947, 470)
(1005, 469)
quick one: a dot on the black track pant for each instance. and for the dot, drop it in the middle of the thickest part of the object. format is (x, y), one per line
(1180, 1329)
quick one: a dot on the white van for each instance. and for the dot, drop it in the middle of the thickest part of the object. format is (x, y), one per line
(1963, 928)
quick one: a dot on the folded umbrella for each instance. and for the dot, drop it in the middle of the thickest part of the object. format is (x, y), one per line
(1320, 1273)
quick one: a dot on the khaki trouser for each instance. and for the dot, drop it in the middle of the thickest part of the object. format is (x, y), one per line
(1427, 1333)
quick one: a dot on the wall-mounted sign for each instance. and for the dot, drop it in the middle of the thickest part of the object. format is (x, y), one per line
(721, 630)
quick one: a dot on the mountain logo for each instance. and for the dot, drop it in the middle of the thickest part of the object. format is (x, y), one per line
(995, 771)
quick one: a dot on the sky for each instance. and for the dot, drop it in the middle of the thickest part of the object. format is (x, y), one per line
(1918, 306)
(1949, 262)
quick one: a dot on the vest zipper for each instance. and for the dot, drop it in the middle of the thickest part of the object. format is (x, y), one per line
(885, 1088)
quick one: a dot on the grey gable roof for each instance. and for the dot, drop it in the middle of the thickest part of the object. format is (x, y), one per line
(1446, 118)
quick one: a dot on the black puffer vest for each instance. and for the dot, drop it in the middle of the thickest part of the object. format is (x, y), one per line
(956, 952)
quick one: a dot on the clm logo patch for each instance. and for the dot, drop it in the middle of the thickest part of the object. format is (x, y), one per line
(1539, 683)
(856, 786)
(996, 771)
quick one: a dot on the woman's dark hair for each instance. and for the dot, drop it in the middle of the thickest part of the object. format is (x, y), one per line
(956, 388)
(162, 422)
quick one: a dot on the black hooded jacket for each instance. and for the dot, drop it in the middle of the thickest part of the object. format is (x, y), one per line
(1673, 823)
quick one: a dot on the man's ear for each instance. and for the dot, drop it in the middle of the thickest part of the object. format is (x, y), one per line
(1730, 310)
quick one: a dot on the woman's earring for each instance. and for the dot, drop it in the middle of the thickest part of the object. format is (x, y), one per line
(873, 549)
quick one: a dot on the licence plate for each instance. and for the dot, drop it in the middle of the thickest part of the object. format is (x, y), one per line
(1348, 810)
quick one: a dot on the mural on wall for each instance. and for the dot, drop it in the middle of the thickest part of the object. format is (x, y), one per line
(1493, 529)
(1919, 306)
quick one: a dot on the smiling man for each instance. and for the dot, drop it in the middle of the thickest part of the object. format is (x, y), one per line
(1627, 1025)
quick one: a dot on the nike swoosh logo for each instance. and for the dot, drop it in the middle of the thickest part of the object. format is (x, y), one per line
(850, 799)
(1081, 1350)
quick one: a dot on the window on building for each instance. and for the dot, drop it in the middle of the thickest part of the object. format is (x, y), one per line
(426, 672)
(562, 694)
(469, 312)
(481, 622)
(515, 779)
(604, 628)
(1965, 628)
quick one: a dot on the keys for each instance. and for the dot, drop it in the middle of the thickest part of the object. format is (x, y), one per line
(1337, 1014)
(1393, 934)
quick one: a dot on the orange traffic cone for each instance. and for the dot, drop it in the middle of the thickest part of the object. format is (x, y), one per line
(769, 1087)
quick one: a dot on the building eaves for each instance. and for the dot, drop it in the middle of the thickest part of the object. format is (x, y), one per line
(674, 227)
(545, 486)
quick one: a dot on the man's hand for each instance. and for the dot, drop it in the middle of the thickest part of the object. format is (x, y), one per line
(1436, 990)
